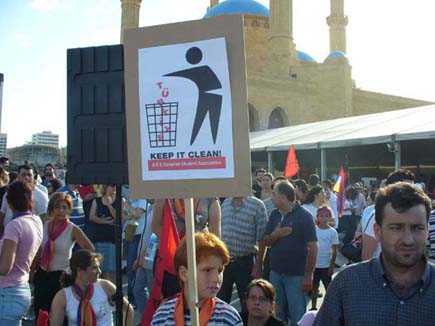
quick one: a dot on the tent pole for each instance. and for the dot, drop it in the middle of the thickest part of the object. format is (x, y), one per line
(269, 162)
(397, 155)
(322, 164)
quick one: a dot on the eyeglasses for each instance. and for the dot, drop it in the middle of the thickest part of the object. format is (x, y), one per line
(262, 300)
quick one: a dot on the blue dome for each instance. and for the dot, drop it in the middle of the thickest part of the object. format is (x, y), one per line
(228, 7)
(304, 57)
(336, 54)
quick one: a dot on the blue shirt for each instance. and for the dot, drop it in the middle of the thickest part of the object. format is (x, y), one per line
(288, 255)
(362, 295)
(77, 215)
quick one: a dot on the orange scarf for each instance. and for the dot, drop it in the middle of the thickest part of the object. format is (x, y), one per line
(180, 210)
(85, 311)
(205, 312)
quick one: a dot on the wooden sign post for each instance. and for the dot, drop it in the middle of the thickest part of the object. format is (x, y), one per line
(187, 116)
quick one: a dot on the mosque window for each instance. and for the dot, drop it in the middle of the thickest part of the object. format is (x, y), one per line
(277, 118)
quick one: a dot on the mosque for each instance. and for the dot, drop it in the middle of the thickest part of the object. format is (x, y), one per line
(286, 86)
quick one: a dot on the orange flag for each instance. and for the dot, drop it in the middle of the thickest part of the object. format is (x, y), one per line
(165, 262)
(292, 165)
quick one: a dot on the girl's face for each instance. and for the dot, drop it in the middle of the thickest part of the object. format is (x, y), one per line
(324, 217)
(61, 210)
(321, 196)
(266, 182)
(110, 190)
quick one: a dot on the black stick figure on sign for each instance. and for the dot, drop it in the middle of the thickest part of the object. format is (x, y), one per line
(206, 80)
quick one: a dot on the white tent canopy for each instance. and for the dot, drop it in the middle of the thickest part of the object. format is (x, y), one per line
(384, 127)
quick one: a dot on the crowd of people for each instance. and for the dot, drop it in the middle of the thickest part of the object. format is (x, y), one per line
(276, 247)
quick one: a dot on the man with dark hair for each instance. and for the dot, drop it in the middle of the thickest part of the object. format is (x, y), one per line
(291, 233)
(398, 287)
(257, 185)
(371, 247)
(49, 174)
(40, 199)
(404, 175)
(4, 162)
(313, 180)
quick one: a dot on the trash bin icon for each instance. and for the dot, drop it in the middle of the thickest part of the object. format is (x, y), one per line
(162, 124)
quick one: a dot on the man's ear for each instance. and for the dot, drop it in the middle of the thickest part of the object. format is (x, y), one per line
(377, 230)
(182, 273)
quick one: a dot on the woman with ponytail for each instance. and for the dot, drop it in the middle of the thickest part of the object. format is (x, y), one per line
(85, 299)
(59, 238)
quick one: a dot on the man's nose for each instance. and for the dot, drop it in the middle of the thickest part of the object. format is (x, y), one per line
(408, 237)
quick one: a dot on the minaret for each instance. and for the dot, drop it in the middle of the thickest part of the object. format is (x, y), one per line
(282, 50)
(337, 22)
(130, 15)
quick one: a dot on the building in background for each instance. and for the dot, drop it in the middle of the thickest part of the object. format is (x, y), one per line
(46, 138)
(3, 137)
(38, 155)
(287, 86)
(3, 144)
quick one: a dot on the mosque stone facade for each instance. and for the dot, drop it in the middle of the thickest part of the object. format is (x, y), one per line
(286, 86)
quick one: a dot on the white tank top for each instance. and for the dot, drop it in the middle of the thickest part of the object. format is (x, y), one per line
(62, 247)
(100, 304)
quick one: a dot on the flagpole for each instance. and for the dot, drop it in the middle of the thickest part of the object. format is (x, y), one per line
(191, 261)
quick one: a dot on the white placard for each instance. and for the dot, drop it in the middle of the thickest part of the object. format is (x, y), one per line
(185, 111)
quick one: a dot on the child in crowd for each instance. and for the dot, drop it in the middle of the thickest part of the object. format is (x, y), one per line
(327, 238)
(211, 258)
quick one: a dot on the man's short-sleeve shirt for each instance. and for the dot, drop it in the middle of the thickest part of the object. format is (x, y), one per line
(288, 255)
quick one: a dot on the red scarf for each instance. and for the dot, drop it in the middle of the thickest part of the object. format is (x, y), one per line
(85, 311)
(48, 253)
(205, 312)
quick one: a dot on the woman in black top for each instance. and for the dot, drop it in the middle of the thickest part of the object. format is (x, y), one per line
(260, 305)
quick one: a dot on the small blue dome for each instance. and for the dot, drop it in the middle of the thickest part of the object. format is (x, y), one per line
(304, 57)
(336, 56)
(228, 7)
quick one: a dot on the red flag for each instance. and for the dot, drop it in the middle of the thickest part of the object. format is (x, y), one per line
(165, 262)
(340, 184)
(292, 165)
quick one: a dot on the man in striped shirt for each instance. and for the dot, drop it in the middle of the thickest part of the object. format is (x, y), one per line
(243, 224)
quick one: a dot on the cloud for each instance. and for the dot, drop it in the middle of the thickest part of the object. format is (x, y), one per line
(47, 5)
(23, 40)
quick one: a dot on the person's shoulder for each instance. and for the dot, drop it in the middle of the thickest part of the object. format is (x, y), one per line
(165, 309)
(354, 273)
(227, 312)
(108, 287)
(254, 200)
(274, 321)
(38, 192)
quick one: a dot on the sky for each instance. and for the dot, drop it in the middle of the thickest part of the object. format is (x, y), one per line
(389, 45)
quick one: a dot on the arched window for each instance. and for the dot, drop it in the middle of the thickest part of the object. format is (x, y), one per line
(277, 118)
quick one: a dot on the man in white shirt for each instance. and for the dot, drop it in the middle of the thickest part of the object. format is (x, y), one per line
(40, 199)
